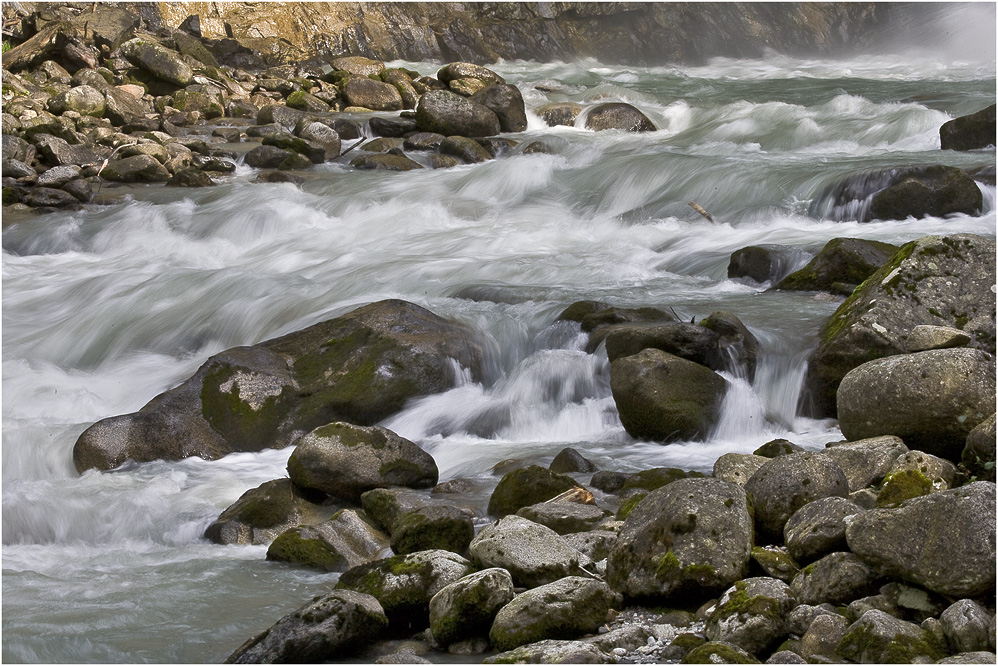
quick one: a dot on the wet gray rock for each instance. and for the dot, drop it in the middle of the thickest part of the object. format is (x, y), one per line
(423, 141)
(595, 544)
(38, 197)
(13, 168)
(272, 157)
(801, 617)
(264, 512)
(618, 116)
(525, 486)
(560, 113)
(136, 169)
(966, 624)
(786, 483)
(358, 65)
(324, 629)
(944, 542)
(532, 553)
(738, 467)
(936, 280)
(281, 115)
(569, 460)
(866, 461)
(970, 132)
(385, 505)
(566, 608)
(468, 606)
(818, 528)
(840, 266)
(751, 614)
(878, 638)
(931, 399)
(835, 579)
(738, 347)
(691, 537)
(507, 103)
(689, 341)
(467, 70)
(662, 397)
(979, 453)
(761, 263)
(443, 112)
(385, 162)
(467, 149)
(346, 540)
(565, 517)
(929, 191)
(432, 528)
(345, 460)
(57, 151)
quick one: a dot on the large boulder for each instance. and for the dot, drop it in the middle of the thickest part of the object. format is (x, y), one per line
(507, 103)
(84, 100)
(931, 191)
(532, 553)
(136, 169)
(752, 614)
(837, 578)
(939, 280)
(444, 112)
(818, 528)
(467, 607)
(386, 505)
(879, 638)
(525, 486)
(786, 483)
(944, 541)
(264, 512)
(966, 624)
(663, 397)
(565, 517)
(841, 266)
(345, 461)
(618, 116)
(371, 94)
(567, 608)
(161, 62)
(346, 540)
(976, 130)
(359, 368)
(932, 399)
(689, 341)
(323, 630)
(691, 537)
(432, 528)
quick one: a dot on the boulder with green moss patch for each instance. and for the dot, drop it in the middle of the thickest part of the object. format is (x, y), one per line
(837, 578)
(525, 486)
(432, 528)
(866, 461)
(840, 266)
(718, 652)
(752, 614)
(878, 638)
(468, 606)
(786, 483)
(944, 541)
(262, 513)
(553, 651)
(345, 540)
(691, 537)
(567, 608)
(776, 562)
(532, 553)
(937, 280)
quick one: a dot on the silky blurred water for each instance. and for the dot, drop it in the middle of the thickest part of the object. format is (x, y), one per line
(105, 308)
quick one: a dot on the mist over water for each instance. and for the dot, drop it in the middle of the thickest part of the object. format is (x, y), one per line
(105, 308)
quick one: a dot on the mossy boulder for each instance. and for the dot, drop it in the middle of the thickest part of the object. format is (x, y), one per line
(970, 132)
(532, 553)
(468, 606)
(85, 100)
(525, 486)
(936, 280)
(737, 345)
(468, 150)
(136, 169)
(878, 638)
(385, 505)
(718, 652)
(840, 266)
(837, 578)
(264, 512)
(507, 103)
(663, 397)
(932, 399)
(345, 461)
(593, 315)
(432, 528)
(324, 630)
(866, 461)
(751, 614)
(928, 191)
(687, 539)
(822, 638)
(346, 540)
(689, 341)
(903, 485)
(777, 447)
(776, 562)
(786, 483)
(944, 541)
(567, 608)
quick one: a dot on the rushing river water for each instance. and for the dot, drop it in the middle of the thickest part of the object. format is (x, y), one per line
(105, 308)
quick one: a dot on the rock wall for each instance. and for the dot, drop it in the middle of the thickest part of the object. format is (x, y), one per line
(639, 33)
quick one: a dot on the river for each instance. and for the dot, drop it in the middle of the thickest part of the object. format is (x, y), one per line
(107, 307)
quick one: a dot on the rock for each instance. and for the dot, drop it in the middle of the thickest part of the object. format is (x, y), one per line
(136, 169)
(57, 176)
(925, 337)
(315, 152)
(941, 473)
(818, 528)
(840, 266)
(532, 553)
(262, 513)
(823, 637)
(867, 461)
(324, 629)
(402, 83)
(525, 486)
(786, 483)
(58, 152)
(931, 399)
(717, 652)
(346, 540)
(552, 652)
(190, 177)
(563, 517)
(281, 115)
(937, 280)
(618, 116)
(345, 460)
(38, 197)
(966, 624)
(969, 658)
(82, 99)
(158, 61)
(404, 584)
(777, 447)
(423, 141)
(592, 315)
(691, 537)
(467, 70)
(468, 606)
(608, 482)
(80, 188)
(785, 657)
(432, 528)
(385, 162)
(651, 479)
(835, 579)
(878, 638)
(662, 397)
(507, 103)
(16, 148)
(595, 545)
(975, 130)
(392, 127)
(930, 191)
(306, 102)
(751, 614)
(324, 136)
(358, 65)
(776, 562)
(566, 608)
(110, 27)
(13, 168)
(944, 541)
(467, 149)
(738, 467)
(385, 505)
(738, 348)
(801, 617)
(761, 263)
(979, 453)
(560, 113)
(360, 367)
(569, 460)
(443, 112)
(689, 341)
(371, 94)
(270, 157)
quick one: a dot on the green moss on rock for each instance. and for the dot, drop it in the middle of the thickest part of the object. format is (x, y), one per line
(629, 505)
(903, 485)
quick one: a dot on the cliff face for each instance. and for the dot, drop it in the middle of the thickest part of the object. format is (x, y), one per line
(628, 32)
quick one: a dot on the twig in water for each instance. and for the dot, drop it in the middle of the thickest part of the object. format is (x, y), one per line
(359, 142)
(698, 208)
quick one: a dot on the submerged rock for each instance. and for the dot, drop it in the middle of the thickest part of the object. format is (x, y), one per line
(841, 266)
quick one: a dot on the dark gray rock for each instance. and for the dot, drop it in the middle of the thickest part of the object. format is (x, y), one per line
(432, 528)
(931, 191)
(786, 483)
(840, 266)
(867, 461)
(618, 116)
(468, 606)
(507, 103)
(40, 197)
(944, 541)
(970, 132)
(385, 505)
(525, 486)
(565, 517)
(279, 114)
(835, 579)
(878, 638)
(689, 341)
(467, 70)
(136, 169)
(738, 347)
(392, 127)
(58, 152)
(443, 112)
(966, 624)
(761, 263)
(823, 637)
(13, 168)
(58, 176)
(818, 528)
(268, 157)
(84, 100)
(371, 94)
(385, 162)
(553, 652)
(931, 400)
(979, 453)
(158, 61)
(467, 149)
(569, 460)
(560, 113)
(264, 512)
